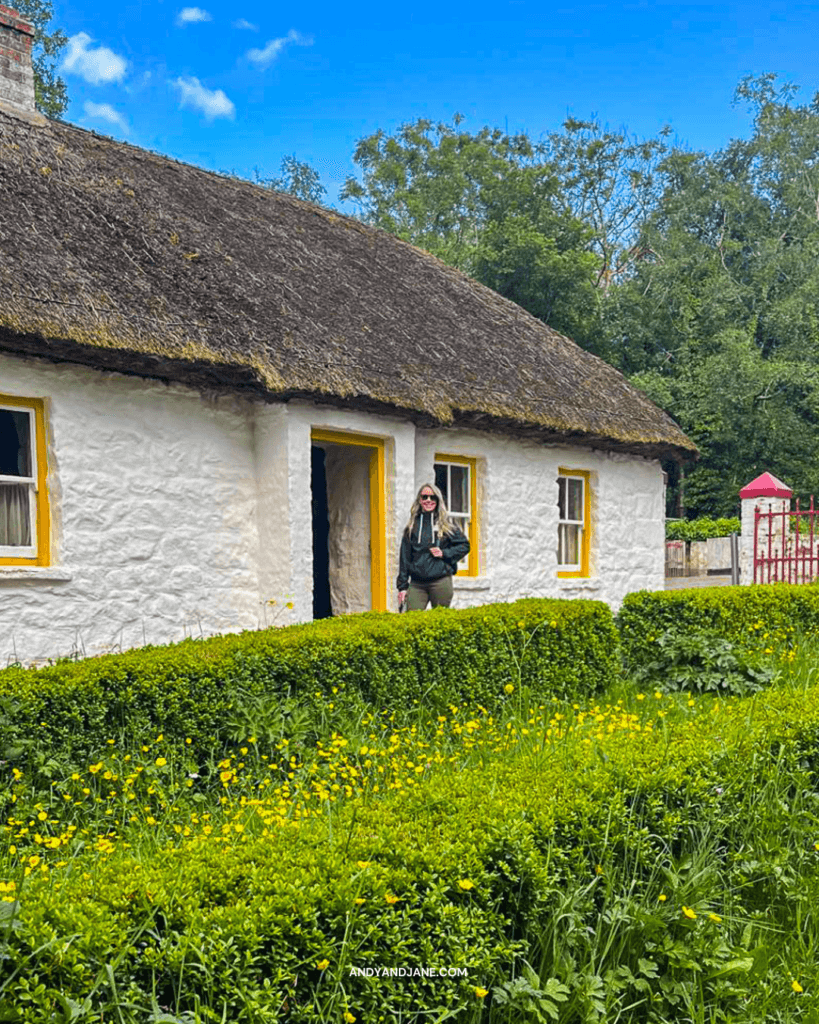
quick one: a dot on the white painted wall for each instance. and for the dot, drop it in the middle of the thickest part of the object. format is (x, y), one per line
(517, 495)
(178, 514)
(153, 496)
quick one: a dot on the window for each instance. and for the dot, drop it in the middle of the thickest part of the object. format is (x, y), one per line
(455, 477)
(573, 503)
(24, 517)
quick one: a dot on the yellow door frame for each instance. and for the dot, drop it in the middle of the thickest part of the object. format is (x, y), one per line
(378, 506)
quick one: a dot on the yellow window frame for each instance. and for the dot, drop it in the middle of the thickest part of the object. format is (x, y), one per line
(585, 544)
(472, 567)
(42, 508)
(378, 506)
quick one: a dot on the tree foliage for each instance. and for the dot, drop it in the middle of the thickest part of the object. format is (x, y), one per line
(50, 94)
(719, 323)
(490, 204)
(298, 178)
(696, 274)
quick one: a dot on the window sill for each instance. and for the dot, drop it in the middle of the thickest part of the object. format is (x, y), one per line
(471, 582)
(46, 573)
(578, 583)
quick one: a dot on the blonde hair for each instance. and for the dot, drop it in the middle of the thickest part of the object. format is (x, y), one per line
(441, 518)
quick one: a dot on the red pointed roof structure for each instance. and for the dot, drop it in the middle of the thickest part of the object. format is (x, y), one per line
(766, 486)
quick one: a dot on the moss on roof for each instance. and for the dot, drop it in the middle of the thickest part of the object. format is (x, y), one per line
(125, 260)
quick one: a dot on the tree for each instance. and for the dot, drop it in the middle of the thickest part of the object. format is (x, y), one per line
(298, 179)
(488, 203)
(608, 179)
(50, 94)
(719, 323)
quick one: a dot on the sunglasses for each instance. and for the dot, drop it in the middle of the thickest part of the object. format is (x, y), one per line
(428, 497)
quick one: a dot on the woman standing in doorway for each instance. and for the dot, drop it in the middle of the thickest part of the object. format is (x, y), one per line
(431, 548)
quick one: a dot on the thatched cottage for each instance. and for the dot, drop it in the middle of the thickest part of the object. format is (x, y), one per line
(214, 397)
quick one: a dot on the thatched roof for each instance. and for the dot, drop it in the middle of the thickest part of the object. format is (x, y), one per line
(121, 259)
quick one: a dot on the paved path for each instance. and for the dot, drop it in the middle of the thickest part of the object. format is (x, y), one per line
(684, 582)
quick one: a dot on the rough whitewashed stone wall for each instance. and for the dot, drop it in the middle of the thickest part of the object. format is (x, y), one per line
(272, 468)
(153, 494)
(180, 514)
(517, 495)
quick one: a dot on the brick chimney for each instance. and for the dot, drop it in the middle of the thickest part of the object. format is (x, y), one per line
(16, 74)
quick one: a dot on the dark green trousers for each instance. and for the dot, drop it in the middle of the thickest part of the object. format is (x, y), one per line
(437, 592)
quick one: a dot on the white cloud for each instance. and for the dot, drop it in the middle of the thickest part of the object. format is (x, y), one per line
(105, 112)
(265, 57)
(244, 23)
(190, 15)
(94, 65)
(211, 102)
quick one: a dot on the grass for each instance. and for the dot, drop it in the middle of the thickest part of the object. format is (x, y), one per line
(661, 859)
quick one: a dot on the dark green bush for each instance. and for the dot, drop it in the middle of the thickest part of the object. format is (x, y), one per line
(701, 529)
(679, 637)
(208, 691)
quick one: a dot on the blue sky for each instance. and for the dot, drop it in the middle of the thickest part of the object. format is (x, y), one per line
(237, 87)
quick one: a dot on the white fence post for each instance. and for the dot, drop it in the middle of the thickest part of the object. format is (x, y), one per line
(768, 495)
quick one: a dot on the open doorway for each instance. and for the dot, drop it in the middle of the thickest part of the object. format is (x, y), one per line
(349, 540)
(322, 604)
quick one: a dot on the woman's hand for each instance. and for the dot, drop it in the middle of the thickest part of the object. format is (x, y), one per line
(436, 552)
(402, 596)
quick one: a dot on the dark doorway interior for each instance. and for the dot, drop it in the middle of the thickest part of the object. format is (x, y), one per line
(322, 606)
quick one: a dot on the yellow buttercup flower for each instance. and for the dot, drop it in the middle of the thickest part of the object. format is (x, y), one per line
(481, 993)
(689, 913)
(323, 965)
(796, 986)
(391, 898)
(509, 688)
(160, 762)
(714, 917)
(465, 883)
(662, 897)
(348, 1017)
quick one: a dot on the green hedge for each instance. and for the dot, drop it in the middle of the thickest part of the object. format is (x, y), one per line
(750, 619)
(701, 529)
(209, 690)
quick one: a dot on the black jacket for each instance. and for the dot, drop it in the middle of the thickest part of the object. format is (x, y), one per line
(417, 563)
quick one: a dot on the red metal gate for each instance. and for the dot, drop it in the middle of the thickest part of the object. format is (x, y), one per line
(786, 545)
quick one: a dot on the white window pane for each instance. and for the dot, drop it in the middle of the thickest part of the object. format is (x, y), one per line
(464, 524)
(15, 443)
(568, 544)
(459, 489)
(15, 515)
